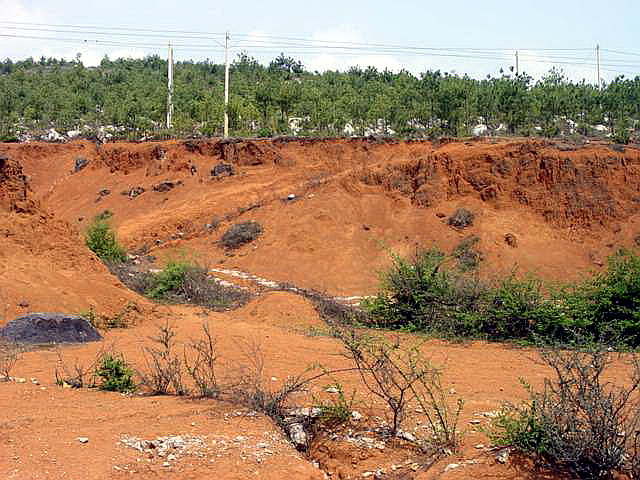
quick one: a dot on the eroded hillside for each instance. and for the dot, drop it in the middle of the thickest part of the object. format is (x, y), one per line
(564, 209)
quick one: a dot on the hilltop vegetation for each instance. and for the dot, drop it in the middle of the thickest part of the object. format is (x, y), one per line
(131, 93)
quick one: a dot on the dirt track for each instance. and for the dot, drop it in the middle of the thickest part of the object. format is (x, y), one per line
(353, 199)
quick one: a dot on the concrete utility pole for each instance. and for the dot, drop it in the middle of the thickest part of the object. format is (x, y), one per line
(226, 85)
(598, 64)
(170, 89)
(517, 64)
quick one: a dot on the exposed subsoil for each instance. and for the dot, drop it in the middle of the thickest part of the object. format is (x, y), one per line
(330, 209)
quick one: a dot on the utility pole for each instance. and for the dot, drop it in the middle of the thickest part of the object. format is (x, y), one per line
(170, 89)
(226, 85)
(517, 64)
(598, 64)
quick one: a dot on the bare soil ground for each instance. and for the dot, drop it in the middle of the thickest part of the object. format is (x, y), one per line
(353, 200)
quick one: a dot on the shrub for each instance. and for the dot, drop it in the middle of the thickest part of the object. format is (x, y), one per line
(240, 233)
(461, 218)
(10, 353)
(169, 280)
(165, 368)
(116, 374)
(402, 378)
(466, 254)
(578, 421)
(422, 293)
(202, 366)
(101, 240)
(185, 282)
(337, 409)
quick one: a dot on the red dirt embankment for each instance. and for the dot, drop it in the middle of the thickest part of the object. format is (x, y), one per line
(44, 265)
(566, 209)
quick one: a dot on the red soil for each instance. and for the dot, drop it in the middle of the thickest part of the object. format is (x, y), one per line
(354, 199)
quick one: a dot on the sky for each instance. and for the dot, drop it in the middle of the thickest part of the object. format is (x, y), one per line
(466, 37)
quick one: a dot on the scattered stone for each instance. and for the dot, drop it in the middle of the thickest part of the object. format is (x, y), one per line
(503, 457)
(83, 439)
(452, 466)
(47, 328)
(409, 437)
(222, 170)
(133, 192)
(297, 435)
(80, 163)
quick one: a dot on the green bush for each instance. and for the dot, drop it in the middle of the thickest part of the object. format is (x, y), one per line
(606, 307)
(169, 280)
(578, 421)
(423, 294)
(116, 375)
(183, 281)
(101, 240)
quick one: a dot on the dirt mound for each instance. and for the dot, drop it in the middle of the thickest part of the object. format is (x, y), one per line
(46, 328)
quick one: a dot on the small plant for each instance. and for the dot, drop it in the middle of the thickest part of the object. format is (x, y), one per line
(10, 353)
(165, 367)
(240, 234)
(337, 409)
(101, 240)
(182, 281)
(115, 373)
(468, 257)
(76, 376)
(169, 280)
(202, 366)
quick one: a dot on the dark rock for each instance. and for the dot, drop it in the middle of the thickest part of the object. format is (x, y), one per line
(133, 192)
(166, 186)
(104, 192)
(81, 162)
(511, 240)
(222, 170)
(45, 328)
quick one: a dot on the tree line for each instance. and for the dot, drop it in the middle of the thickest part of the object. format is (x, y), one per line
(131, 93)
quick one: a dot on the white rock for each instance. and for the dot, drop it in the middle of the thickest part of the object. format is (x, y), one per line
(83, 439)
(357, 416)
(298, 435)
(331, 389)
(451, 466)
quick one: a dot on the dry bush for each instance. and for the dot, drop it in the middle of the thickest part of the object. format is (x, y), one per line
(579, 422)
(165, 370)
(254, 389)
(402, 378)
(461, 218)
(10, 353)
(77, 375)
(240, 233)
(202, 366)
